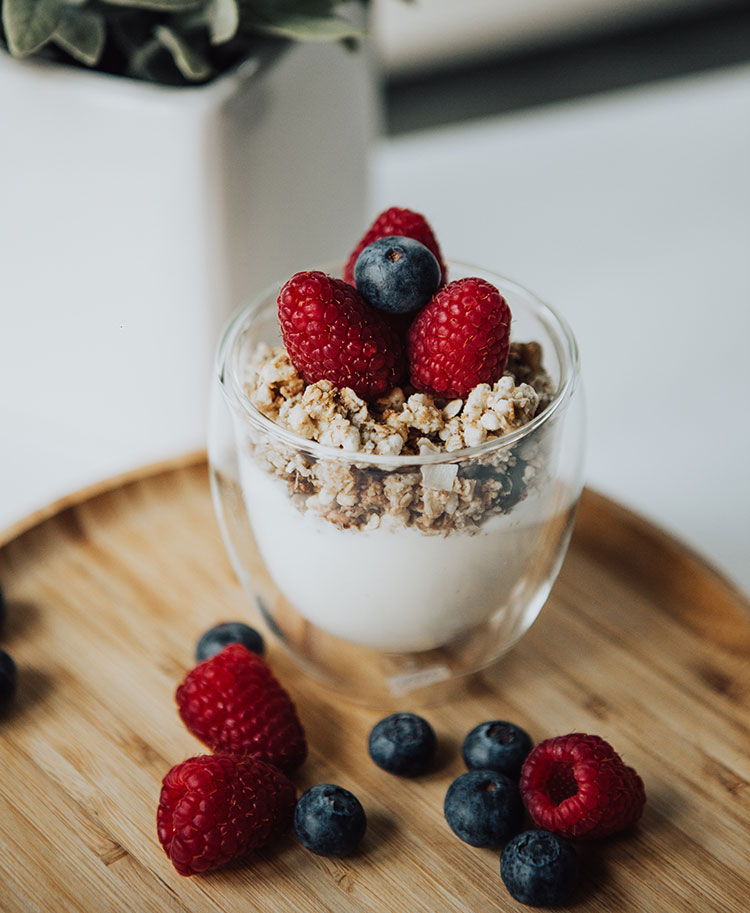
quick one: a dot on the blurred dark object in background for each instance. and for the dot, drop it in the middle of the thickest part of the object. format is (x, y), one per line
(608, 54)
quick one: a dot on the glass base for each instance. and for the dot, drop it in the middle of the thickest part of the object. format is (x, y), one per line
(375, 677)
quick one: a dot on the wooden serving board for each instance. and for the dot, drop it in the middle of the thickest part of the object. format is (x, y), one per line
(640, 642)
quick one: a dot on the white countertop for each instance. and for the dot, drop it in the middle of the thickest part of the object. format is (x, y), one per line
(629, 212)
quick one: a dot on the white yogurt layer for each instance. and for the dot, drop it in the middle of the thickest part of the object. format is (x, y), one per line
(393, 588)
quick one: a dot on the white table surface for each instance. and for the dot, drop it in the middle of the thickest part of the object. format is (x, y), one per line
(629, 212)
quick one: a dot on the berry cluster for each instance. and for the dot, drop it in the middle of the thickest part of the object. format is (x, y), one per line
(572, 786)
(216, 808)
(392, 318)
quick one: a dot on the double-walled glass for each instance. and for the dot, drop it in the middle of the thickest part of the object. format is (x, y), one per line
(364, 598)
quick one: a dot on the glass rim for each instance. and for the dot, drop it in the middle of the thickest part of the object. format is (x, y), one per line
(555, 323)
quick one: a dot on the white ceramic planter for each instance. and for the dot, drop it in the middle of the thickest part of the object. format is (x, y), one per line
(133, 219)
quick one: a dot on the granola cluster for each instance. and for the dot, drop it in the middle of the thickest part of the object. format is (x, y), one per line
(432, 497)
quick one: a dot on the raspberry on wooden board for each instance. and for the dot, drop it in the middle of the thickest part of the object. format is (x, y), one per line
(577, 785)
(233, 703)
(216, 808)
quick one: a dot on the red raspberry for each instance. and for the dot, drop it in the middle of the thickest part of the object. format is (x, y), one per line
(215, 808)
(395, 221)
(578, 786)
(331, 333)
(460, 339)
(234, 704)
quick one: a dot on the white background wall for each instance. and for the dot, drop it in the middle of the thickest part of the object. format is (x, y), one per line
(630, 212)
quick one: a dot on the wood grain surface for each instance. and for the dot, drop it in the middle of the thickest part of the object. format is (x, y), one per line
(640, 642)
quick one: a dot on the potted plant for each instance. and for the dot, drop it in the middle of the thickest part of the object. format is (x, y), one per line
(174, 42)
(161, 161)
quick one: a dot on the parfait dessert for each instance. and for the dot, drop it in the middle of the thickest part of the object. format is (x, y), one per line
(400, 444)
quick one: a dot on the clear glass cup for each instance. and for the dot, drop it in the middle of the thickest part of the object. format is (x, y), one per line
(386, 610)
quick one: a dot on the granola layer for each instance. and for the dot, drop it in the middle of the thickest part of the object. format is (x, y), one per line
(434, 498)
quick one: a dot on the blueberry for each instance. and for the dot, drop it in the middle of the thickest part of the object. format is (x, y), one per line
(539, 868)
(483, 808)
(229, 632)
(329, 820)
(396, 274)
(403, 744)
(496, 745)
(8, 679)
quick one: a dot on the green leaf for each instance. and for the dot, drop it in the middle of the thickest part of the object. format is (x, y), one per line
(166, 6)
(140, 56)
(223, 17)
(188, 61)
(29, 24)
(82, 34)
(303, 27)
